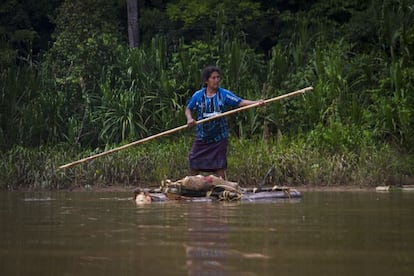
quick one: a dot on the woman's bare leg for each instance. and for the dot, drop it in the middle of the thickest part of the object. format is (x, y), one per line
(221, 173)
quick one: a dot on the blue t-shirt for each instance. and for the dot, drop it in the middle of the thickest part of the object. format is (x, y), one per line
(214, 130)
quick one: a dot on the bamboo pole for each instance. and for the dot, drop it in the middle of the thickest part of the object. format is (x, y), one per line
(86, 159)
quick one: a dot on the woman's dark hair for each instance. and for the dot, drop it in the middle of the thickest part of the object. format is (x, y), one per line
(205, 75)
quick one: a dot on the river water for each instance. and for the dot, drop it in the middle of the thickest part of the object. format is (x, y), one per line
(96, 233)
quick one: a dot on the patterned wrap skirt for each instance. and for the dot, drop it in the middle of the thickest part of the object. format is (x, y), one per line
(208, 157)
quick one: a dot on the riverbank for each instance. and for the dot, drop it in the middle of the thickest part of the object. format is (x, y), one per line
(109, 189)
(293, 164)
(302, 189)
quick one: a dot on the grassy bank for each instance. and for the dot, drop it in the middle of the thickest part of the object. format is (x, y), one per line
(295, 163)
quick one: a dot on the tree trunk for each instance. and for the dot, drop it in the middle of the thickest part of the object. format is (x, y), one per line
(133, 31)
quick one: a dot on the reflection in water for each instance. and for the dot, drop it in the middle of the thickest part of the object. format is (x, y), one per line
(207, 241)
(208, 249)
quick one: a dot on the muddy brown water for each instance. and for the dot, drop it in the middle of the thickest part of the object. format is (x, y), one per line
(96, 233)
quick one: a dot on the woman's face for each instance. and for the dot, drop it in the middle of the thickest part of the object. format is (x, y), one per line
(213, 81)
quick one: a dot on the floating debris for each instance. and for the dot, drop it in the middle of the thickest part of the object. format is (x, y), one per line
(38, 199)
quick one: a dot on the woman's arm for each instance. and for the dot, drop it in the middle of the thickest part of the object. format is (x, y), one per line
(190, 121)
(249, 102)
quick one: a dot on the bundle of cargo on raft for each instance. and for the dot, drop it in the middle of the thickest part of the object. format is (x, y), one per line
(213, 188)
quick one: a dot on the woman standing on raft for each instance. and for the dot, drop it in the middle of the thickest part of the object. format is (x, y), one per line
(209, 149)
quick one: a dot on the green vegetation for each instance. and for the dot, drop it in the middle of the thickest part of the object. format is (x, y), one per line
(89, 92)
(295, 163)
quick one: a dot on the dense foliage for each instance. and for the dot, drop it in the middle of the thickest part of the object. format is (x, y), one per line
(69, 80)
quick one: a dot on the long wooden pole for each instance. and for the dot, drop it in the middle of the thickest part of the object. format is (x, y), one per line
(301, 91)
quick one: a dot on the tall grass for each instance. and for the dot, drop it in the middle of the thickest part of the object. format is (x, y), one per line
(147, 94)
(295, 163)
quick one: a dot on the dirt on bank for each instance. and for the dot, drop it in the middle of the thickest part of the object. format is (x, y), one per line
(299, 188)
(302, 188)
